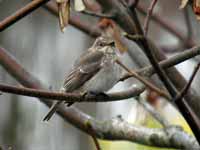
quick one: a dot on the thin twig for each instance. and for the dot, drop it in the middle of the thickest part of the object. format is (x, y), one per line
(188, 23)
(21, 13)
(187, 86)
(148, 17)
(186, 110)
(97, 14)
(144, 81)
(168, 27)
(149, 48)
(170, 62)
(93, 135)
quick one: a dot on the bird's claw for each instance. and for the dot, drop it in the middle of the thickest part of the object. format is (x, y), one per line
(95, 94)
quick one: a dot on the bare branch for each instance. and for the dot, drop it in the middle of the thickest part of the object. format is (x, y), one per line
(169, 27)
(188, 112)
(93, 135)
(174, 60)
(187, 86)
(21, 13)
(96, 14)
(114, 129)
(149, 47)
(130, 23)
(186, 13)
(119, 129)
(143, 80)
(148, 17)
(72, 97)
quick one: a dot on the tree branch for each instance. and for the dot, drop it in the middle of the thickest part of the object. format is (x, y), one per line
(119, 128)
(130, 23)
(72, 97)
(194, 122)
(99, 15)
(169, 27)
(21, 13)
(170, 62)
(148, 17)
(114, 129)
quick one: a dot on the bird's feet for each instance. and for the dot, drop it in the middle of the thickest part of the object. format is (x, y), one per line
(99, 95)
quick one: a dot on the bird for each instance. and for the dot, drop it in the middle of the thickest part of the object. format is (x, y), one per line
(95, 71)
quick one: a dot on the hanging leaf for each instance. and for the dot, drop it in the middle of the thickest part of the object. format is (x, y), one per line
(183, 3)
(64, 13)
(79, 5)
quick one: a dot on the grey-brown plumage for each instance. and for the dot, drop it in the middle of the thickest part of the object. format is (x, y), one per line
(94, 71)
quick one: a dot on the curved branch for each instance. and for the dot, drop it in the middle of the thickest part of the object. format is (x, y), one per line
(119, 129)
(19, 14)
(99, 15)
(170, 62)
(72, 97)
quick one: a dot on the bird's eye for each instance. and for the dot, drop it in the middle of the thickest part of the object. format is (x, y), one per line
(101, 44)
(112, 43)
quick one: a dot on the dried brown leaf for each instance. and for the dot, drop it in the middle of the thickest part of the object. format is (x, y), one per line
(64, 14)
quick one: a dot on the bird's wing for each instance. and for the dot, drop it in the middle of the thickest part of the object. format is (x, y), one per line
(84, 69)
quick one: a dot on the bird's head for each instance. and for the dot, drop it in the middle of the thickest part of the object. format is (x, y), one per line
(104, 44)
(103, 41)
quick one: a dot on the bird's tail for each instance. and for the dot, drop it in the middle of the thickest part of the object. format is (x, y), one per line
(55, 106)
(52, 110)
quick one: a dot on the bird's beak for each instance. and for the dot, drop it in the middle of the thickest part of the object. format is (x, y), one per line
(112, 44)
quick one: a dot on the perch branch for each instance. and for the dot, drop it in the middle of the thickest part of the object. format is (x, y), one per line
(71, 97)
(114, 129)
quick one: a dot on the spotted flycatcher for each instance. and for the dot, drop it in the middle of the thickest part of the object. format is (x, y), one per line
(95, 71)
